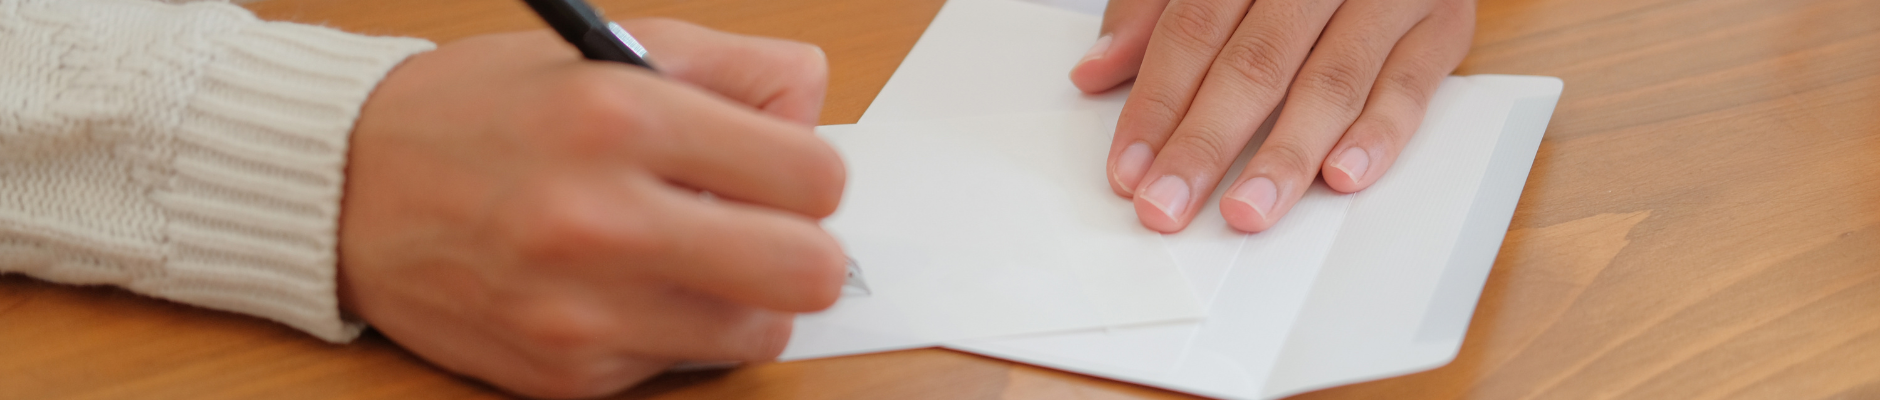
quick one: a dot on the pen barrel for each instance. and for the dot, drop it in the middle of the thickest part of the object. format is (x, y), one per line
(603, 45)
(574, 20)
(583, 26)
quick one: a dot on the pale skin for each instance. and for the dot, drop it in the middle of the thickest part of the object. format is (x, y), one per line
(519, 215)
(1355, 76)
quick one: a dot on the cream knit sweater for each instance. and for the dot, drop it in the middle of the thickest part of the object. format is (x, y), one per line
(183, 151)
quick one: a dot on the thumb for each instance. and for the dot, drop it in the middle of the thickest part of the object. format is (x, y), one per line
(1117, 55)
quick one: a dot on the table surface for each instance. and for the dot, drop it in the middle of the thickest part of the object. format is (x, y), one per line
(1702, 222)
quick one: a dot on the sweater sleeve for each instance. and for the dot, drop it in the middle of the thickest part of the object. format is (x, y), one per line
(187, 152)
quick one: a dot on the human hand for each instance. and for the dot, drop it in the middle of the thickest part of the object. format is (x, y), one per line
(1356, 76)
(520, 215)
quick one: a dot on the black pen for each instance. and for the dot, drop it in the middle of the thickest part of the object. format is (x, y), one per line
(598, 38)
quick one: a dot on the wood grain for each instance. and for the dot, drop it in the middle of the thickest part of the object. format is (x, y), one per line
(1702, 222)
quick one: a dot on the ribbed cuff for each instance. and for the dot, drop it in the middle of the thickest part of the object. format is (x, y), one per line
(252, 203)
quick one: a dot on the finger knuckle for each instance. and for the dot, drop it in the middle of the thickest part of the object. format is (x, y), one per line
(1339, 83)
(555, 330)
(1408, 81)
(1202, 145)
(1407, 76)
(1290, 157)
(1192, 25)
(563, 227)
(1258, 58)
(1156, 106)
(537, 237)
(600, 116)
(1296, 12)
(1379, 131)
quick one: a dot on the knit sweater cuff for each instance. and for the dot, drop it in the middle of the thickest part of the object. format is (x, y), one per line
(259, 166)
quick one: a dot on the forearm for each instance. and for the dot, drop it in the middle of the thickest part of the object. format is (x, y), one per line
(187, 152)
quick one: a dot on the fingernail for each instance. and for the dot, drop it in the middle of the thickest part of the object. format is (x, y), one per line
(1097, 50)
(1169, 194)
(1353, 161)
(1259, 193)
(1133, 163)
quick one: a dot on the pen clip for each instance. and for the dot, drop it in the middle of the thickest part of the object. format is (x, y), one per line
(627, 39)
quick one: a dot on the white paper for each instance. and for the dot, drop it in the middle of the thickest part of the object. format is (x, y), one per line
(1346, 288)
(1033, 48)
(983, 227)
(983, 57)
(1092, 7)
(1397, 291)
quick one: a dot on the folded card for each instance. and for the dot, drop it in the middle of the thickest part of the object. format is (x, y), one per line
(983, 227)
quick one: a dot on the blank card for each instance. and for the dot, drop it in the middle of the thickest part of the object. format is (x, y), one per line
(985, 227)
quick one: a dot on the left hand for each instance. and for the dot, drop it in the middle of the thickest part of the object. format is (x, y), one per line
(1356, 76)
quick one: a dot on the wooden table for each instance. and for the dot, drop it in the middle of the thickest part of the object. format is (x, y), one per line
(1703, 221)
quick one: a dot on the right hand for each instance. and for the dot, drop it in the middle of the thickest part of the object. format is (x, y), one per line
(520, 215)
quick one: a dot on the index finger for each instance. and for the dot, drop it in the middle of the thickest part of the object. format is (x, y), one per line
(682, 134)
(1117, 54)
(783, 78)
(1186, 39)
